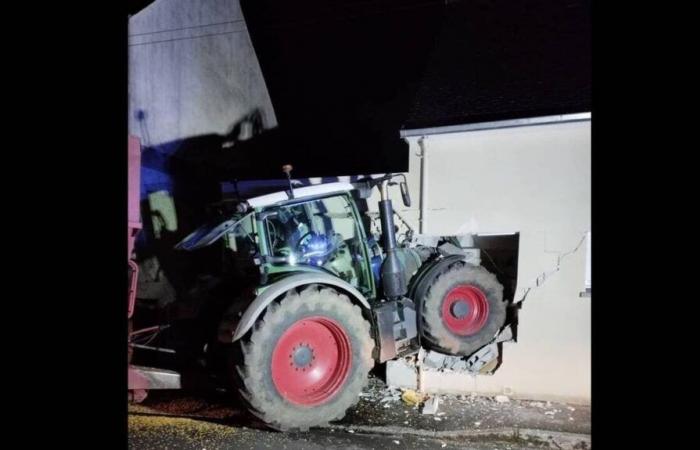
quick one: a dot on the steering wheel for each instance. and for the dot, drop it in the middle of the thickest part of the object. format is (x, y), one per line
(301, 239)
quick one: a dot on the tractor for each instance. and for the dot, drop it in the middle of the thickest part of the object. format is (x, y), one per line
(328, 299)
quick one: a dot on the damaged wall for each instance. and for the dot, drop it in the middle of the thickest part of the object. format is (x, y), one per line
(535, 180)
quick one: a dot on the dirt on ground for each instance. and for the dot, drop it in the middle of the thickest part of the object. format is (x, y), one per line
(210, 419)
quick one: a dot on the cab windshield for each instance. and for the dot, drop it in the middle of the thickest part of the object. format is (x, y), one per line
(322, 233)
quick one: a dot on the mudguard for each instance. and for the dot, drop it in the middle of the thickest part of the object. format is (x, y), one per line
(278, 288)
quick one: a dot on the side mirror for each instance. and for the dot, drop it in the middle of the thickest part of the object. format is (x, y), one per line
(404, 194)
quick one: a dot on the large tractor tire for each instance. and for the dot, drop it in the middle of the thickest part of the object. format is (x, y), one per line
(462, 310)
(306, 361)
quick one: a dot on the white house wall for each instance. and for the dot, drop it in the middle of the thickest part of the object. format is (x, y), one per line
(535, 180)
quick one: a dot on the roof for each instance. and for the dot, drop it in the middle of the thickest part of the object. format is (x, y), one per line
(497, 60)
(300, 193)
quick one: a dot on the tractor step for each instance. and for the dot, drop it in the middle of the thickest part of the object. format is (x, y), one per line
(151, 378)
(396, 328)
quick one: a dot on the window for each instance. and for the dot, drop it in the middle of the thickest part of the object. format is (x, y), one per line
(321, 233)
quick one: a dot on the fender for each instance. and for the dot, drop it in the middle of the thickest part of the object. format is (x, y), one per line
(427, 272)
(278, 288)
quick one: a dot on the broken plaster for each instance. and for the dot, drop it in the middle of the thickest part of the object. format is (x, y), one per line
(544, 276)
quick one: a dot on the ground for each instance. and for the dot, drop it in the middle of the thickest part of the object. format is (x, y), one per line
(381, 420)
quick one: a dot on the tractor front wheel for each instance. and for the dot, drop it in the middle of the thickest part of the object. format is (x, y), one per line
(306, 361)
(462, 310)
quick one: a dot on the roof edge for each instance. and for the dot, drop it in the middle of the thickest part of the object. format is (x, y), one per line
(511, 123)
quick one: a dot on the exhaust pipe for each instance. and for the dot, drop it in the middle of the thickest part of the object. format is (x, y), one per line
(393, 275)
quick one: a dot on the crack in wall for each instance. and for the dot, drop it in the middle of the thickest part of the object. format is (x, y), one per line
(544, 276)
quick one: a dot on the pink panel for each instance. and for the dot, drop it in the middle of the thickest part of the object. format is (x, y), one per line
(137, 380)
(134, 181)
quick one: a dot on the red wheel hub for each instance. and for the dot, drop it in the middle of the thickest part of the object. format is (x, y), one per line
(465, 310)
(311, 360)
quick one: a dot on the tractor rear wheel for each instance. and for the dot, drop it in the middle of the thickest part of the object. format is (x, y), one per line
(306, 361)
(462, 310)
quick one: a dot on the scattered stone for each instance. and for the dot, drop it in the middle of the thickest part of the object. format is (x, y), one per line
(502, 399)
(549, 413)
(476, 424)
(571, 408)
(397, 442)
(443, 445)
(537, 404)
(437, 419)
(400, 374)
(351, 431)
(431, 405)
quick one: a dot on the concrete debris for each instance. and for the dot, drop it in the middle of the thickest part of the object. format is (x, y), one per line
(431, 405)
(502, 399)
(351, 431)
(397, 442)
(484, 360)
(392, 397)
(479, 362)
(437, 419)
(550, 413)
(443, 445)
(571, 408)
(476, 424)
(537, 404)
(401, 374)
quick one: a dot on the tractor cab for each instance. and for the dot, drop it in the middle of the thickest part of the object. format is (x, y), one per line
(319, 234)
(319, 229)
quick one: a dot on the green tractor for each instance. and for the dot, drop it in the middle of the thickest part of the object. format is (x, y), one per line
(329, 301)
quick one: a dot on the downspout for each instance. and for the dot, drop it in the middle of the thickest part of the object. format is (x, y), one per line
(423, 184)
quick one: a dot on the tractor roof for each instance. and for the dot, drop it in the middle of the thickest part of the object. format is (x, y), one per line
(300, 193)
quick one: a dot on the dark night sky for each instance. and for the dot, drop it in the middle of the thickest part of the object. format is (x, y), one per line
(346, 75)
(341, 76)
